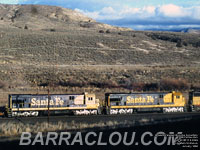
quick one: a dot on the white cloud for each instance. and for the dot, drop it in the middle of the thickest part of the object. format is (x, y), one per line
(169, 10)
(108, 11)
(11, 1)
(196, 12)
(128, 10)
(94, 14)
(168, 16)
(149, 9)
(172, 10)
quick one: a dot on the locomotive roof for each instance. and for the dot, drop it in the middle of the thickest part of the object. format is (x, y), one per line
(43, 94)
(141, 93)
(195, 91)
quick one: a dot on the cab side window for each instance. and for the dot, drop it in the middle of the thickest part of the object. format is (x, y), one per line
(71, 97)
(90, 98)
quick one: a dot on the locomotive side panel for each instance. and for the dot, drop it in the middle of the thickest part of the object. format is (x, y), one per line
(43, 101)
(140, 99)
(32, 105)
(136, 99)
(131, 102)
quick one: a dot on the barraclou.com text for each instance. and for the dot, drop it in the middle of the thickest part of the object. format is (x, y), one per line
(93, 138)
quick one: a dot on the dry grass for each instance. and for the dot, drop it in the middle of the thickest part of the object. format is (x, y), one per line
(11, 129)
(15, 129)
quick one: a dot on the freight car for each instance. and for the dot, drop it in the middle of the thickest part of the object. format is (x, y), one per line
(128, 103)
(35, 105)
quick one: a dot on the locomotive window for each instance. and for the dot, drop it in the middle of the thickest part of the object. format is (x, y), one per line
(90, 98)
(197, 94)
(160, 96)
(177, 97)
(71, 98)
(115, 99)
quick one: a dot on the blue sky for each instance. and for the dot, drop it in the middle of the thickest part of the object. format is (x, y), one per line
(137, 14)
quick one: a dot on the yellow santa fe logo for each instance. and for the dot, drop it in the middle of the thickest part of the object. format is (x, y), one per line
(149, 99)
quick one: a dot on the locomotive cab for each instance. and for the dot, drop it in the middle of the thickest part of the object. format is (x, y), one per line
(178, 99)
(90, 100)
(194, 101)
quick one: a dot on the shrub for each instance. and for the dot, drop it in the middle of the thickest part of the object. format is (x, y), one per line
(133, 35)
(179, 44)
(86, 25)
(104, 84)
(126, 83)
(43, 84)
(174, 84)
(196, 44)
(185, 43)
(101, 31)
(151, 87)
(138, 86)
(52, 30)
(72, 83)
(195, 87)
(108, 31)
(169, 38)
(26, 27)
(34, 10)
(2, 85)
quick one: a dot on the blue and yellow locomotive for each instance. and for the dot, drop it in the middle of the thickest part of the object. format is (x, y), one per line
(35, 105)
(122, 103)
(88, 104)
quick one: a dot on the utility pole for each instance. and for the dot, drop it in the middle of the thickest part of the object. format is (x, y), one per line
(48, 106)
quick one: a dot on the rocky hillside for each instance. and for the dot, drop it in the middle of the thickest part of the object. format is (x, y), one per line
(197, 31)
(38, 17)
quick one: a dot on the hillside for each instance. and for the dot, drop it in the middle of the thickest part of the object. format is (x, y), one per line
(39, 17)
(41, 46)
